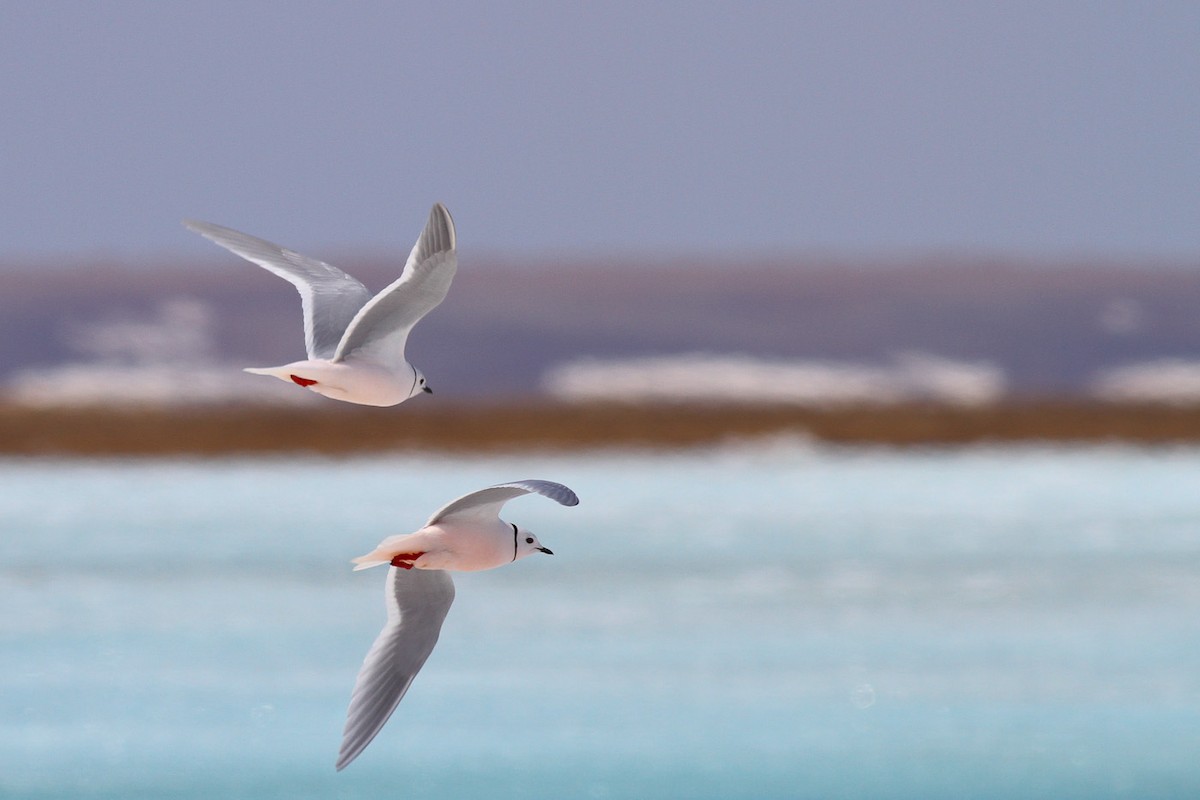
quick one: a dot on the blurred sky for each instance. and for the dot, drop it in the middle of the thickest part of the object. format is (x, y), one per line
(1024, 128)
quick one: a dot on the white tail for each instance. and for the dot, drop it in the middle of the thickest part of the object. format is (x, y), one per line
(383, 552)
(275, 372)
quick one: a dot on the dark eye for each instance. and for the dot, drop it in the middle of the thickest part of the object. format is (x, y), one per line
(528, 540)
(422, 380)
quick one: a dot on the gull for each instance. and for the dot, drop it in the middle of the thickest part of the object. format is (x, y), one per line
(355, 342)
(466, 534)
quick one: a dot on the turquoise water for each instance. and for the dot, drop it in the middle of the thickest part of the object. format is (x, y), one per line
(747, 622)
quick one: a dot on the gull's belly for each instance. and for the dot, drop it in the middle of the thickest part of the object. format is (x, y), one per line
(469, 548)
(359, 382)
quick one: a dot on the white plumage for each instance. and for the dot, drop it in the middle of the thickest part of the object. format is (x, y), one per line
(355, 342)
(466, 534)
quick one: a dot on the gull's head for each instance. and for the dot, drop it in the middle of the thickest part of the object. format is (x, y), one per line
(419, 384)
(525, 543)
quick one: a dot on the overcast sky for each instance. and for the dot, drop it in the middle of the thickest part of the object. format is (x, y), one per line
(1035, 129)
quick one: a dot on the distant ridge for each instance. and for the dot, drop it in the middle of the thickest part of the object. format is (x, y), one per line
(548, 427)
(1050, 330)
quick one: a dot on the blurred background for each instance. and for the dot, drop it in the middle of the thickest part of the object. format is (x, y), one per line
(740, 274)
(766, 203)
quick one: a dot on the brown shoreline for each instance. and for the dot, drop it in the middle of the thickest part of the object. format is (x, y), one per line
(334, 429)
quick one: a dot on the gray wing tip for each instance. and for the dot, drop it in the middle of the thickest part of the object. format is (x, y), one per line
(199, 226)
(555, 491)
(439, 235)
(568, 498)
(216, 233)
(351, 750)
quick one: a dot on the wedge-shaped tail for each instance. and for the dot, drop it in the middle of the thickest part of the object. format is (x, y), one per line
(283, 373)
(382, 553)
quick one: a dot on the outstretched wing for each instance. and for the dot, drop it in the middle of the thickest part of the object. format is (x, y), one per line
(380, 329)
(486, 503)
(330, 298)
(417, 603)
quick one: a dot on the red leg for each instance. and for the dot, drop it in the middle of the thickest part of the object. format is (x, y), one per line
(296, 379)
(405, 560)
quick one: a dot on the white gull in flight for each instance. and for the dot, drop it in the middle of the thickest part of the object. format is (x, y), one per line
(466, 534)
(355, 342)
